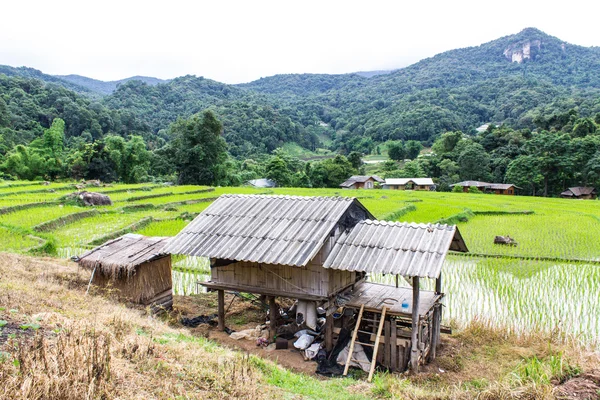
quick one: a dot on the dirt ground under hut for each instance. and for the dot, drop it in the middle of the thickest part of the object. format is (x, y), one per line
(242, 315)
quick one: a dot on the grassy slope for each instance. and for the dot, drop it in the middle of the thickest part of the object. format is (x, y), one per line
(92, 347)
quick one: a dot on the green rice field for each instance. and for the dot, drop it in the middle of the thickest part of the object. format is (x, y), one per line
(549, 281)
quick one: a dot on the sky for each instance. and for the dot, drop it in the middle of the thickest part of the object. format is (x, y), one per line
(240, 41)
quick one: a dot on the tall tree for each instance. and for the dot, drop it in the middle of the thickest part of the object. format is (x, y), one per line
(413, 148)
(200, 151)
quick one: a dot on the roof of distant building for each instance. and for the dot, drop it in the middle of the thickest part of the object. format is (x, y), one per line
(404, 181)
(360, 179)
(262, 183)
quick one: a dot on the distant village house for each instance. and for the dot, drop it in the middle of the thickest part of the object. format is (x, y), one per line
(361, 182)
(262, 183)
(580, 192)
(496, 188)
(409, 184)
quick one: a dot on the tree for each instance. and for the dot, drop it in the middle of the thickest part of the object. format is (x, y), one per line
(277, 170)
(524, 171)
(552, 154)
(200, 151)
(396, 150)
(474, 163)
(355, 159)
(4, 114)
(584, 127)
(413, 148)
(447, 142)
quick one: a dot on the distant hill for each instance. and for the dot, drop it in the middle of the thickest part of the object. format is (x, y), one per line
(103, 87)
(370, 74)
(512, 81)
(26, 72)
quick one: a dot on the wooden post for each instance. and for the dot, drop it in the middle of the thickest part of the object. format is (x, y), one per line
(437, 320)
(396, 280)
(272, 318)
(414, 354)
(221, 308)
(329, 332)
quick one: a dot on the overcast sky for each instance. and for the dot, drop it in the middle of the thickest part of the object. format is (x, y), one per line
(239, 41)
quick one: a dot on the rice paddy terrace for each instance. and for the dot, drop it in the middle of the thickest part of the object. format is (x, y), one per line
(549, 281)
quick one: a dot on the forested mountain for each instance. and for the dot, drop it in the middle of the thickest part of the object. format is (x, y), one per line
(25, 72)
(527, 83)
(106, 87)
(510, 81)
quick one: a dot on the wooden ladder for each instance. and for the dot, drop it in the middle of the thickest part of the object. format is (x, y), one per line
(375, 346)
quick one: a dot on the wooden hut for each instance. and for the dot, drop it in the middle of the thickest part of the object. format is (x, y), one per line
(409, 184)
(135, 266)
(495, 188)
(361, 182)
(580, 192)
(320, 249)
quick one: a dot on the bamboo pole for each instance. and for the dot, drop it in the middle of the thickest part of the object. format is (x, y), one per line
(414, 355)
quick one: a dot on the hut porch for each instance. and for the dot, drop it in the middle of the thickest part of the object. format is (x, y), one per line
(402, 327)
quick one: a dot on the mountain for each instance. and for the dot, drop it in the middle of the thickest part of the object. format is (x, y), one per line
(513, 80)
(26, 72)
(106, 88)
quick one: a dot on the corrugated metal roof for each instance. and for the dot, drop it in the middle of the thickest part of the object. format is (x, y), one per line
(360, 179)
(395, 248)
(578, 191)
(404, 181)
(262, 183)
(287, 230)
(124, 253)
(471, 183)
(501, 186)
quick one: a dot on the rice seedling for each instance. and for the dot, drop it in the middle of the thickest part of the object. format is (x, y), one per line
(30, 217)
(15, 241)
(521, 296)
(169, 227)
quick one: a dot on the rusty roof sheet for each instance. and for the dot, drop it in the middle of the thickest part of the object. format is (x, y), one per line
(287, 230)
(124, 253)
(407, 249)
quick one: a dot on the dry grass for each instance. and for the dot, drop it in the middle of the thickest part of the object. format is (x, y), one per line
(92, 347)
(89, 347)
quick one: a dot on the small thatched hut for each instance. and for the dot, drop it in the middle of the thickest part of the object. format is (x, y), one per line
(135, 266)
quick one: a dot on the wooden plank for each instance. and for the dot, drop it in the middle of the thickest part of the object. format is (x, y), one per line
(221, 309)
(376, 347)
(394, 346)
(354, 334)
(414, 355)
(272, 318)
(329, 332)
(261, 290)
(387, 352)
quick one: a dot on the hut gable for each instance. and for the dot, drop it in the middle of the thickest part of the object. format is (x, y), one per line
(135, 266)
(360, 181)
(284, 230)
(121, 256)
(395, 248)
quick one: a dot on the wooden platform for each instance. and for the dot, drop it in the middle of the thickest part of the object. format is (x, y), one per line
(375, 295)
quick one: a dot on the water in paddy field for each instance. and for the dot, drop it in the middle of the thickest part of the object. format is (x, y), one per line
(186, 274)
(521, 295)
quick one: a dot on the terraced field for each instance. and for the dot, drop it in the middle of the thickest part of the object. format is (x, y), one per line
(548, 281)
